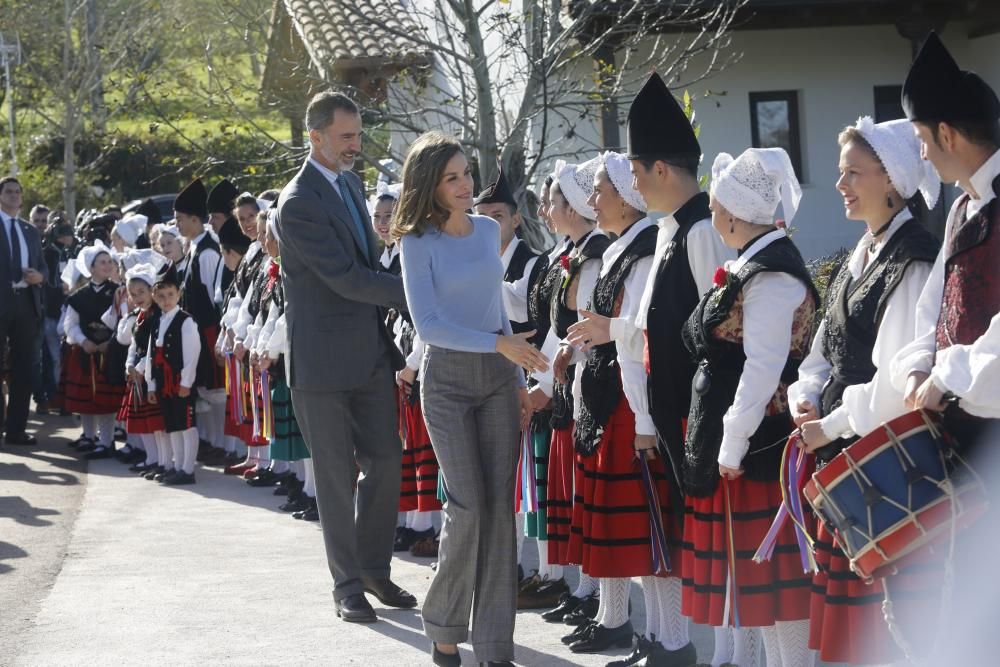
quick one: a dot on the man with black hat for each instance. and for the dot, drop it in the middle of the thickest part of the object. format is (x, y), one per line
(665, 155)
(200, 285)
(953, 366)
(221, 201)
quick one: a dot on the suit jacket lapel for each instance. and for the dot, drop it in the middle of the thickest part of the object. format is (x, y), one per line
(5, 266)
(362, 206)
(336, 205)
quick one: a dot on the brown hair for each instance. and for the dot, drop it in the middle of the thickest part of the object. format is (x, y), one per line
(851, 134)
(418, 208)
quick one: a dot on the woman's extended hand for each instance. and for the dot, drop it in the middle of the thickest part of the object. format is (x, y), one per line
(517, 348)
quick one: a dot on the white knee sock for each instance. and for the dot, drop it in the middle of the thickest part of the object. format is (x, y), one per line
(152, 452)
(190, 440)
(164, 451)
(89, 425)
(772, 647)
(263, 456)
(793, 639)
(177, 448)
(134, 440)
(279, 467)
(230, 443)
(649, 594)
(519, 533)
(613, 611)
(724, 646)
(747, 647)
(217, 415)
(239, 446)
(586, 586)
(106, 430)
(309, 483)
(673, 632)
(422, 521)
(545, 569)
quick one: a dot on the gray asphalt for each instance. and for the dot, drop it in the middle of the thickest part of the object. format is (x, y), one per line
(98, 567)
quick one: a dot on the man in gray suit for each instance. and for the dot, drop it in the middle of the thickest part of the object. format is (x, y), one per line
(341, 360)
(22, 272)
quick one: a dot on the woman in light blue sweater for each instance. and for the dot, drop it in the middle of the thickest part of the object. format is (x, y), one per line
(473, 394)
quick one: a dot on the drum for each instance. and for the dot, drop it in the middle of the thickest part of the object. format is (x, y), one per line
(899, 489)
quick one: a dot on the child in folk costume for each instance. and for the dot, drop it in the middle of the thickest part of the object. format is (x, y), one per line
(172, 365)
(844, 389)
(89, 388)
(953, 365)
(243, 258)
(569, 281)
(418, 494)
(748, 335)
(142, 418)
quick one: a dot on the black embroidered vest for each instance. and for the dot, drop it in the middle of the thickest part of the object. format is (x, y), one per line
(714, 337)
(670, 368)
(244, 277)
(854, 312)
(90, 305)
(515, 271)
(591, 247)
(195, 299)
(173, 354)
(601, 384)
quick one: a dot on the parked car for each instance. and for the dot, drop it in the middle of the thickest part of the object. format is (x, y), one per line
(163, 202)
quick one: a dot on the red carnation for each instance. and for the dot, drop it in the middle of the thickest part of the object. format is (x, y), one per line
(274, 271)
(780, 224)
(564, 261)
(719, 279)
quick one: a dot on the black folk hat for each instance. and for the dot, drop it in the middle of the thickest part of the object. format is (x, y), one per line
(657, 126)
(192, 199)
(938, 90)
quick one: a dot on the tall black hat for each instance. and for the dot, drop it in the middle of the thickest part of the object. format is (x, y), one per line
(168, 276)
(498, 192)
(222, 197)
(191, 199)
(232, 237)
(152, 212)
(937, 90)
(657, 126)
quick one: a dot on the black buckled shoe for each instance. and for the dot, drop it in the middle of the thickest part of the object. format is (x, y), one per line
(585, 612)
(100, 452)
(641, 647)
(602, 638)
(685, 656)
(579, 633)
(567, 603)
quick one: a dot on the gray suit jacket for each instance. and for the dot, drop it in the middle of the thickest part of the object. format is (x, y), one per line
(10, 274)
(335, 290)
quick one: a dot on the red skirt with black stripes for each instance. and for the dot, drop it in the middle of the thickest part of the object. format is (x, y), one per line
(418, 490)
(559, 501)
(775, 590)
(610, 532)
(140, 416)
(846, 623)
(86, 390)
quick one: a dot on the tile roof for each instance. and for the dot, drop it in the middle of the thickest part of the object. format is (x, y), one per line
(337, 35)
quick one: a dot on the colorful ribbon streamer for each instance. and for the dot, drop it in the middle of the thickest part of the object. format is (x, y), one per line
(791, 480)
(657, 531)
(267, 407)
(255, 412)
(529, 485)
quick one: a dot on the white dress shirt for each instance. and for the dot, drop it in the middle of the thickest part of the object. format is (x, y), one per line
(970, 372)
(14, 235)
(210, 266)
(865, 406)
(770, 300)
(515, 294)
(190, 344)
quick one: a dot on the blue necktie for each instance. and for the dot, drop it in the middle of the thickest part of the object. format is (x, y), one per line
(345, 194)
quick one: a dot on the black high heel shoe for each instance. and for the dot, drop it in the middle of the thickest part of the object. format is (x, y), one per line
(445, 659)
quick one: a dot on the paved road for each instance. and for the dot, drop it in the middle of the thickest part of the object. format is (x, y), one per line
(98, 567)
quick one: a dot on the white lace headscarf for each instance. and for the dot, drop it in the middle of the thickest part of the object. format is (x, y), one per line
(752, 185)
(144, 272)
(898, 149)
(383, 189)
(576, 182)
(85, 260)
(133, 257)
(620, 173)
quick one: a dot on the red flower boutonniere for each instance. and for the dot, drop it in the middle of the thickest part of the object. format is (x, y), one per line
(720, 278)
(570, 265)
(274, 271)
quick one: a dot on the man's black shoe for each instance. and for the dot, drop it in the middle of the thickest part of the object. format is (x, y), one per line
(25, 439)
(388, 593)
(355, 609)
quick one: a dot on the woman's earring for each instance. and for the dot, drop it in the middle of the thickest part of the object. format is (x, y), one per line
(888, 200)
(732, 224)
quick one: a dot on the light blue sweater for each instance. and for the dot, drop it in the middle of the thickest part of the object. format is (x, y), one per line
(453, 286)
